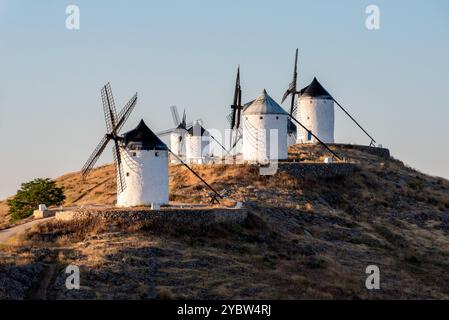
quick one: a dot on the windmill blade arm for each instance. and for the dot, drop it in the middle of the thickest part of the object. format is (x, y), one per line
(125, 112)
(198, 176)
(318, 139)
(233, 118)
(175, 115)
(347, 113)
(94, 156)
(165, 132)
(285, 96)
(219, 143)
(292, 87)
(239, 110)
(109, 109)
(238, 138)
(121, 184)
(111, 102)
(107, 114)
(184, 118)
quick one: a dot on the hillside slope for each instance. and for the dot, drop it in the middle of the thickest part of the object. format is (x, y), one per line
(304, 238)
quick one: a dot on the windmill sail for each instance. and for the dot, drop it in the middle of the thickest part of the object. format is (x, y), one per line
(121, 184)
(109, 110)
(94, 156)
(292, 91)
(113, 125)
(236, 107)
(175, 115)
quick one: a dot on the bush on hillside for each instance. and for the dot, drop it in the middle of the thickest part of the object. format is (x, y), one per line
(33, 193)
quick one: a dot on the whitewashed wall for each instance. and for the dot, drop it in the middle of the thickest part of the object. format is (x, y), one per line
(146, 177)
(257, 146)
(178, 144)
(318, 116)
(197, 148)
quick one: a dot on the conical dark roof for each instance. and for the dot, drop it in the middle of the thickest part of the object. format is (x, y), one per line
(315, 90)
(181, 125)
(141, 137)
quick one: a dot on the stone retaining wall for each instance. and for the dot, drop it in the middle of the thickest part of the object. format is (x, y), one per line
(318, 170)
(183, 215)
(380, 152)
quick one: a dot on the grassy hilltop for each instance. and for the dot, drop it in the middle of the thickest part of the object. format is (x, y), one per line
(302, 238)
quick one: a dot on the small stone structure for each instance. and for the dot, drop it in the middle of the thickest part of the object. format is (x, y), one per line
(43, 212)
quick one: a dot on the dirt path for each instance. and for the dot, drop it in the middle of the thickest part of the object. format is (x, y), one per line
(7, 234)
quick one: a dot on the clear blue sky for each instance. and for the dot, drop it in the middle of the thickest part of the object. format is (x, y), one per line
(394, 80)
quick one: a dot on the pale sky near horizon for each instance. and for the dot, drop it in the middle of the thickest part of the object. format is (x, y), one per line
(185, 53)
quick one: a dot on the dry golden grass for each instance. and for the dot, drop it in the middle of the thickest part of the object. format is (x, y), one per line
(98, 188)
(304, 238)
(385, 175)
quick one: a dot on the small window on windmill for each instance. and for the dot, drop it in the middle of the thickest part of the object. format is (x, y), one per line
(260, 117)
(134, 154)
(277, 117)
(127, 174)
(156, 154)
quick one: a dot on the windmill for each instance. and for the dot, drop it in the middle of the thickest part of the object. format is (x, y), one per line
(316, 108)
(292, 91)
(141, 153)
(291, 127)
(177, 133)
(177, 122)
(114, 123)
(180, 133)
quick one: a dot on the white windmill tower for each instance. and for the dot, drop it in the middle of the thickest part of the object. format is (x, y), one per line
(177, 135)
(197, 143)
(140, 157)
(264, 130)
(145, 167)
(316, 113)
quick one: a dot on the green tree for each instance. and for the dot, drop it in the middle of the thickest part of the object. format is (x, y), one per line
(33, 193)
